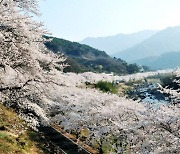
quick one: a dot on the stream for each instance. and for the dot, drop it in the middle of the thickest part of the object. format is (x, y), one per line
(149, 93)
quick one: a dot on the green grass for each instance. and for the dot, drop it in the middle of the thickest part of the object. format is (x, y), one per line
(107, 87)
(15, 136)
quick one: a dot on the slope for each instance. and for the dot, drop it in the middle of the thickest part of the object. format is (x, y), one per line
(83, 58)
(17, 137)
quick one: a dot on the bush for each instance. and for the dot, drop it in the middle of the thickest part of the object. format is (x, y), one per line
(167, 79)
(107, 87)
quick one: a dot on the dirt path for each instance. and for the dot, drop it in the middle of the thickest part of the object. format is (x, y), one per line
(67, 145)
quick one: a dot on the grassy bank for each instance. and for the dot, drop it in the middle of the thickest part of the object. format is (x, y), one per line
(17, 137)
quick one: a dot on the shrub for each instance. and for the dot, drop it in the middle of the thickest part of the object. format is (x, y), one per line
(167, 79)
(107, 87)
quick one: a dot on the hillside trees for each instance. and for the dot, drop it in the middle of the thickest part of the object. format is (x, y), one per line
(83, 58)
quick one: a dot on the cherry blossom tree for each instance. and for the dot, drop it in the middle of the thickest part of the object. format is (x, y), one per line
(21, 41)
(24, 60)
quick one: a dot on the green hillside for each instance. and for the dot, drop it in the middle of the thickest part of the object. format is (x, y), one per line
(17, 137)
(83, 58)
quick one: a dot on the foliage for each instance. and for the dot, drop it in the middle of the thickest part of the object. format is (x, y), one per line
(107, 87)
(146, 68)
(74, 66)
(133, 68)
(167, 79)
(83, 58)
(171, 87)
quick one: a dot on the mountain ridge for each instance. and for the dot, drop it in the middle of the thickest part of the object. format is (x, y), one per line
(119, 42)
(164, 61)
(166, 40)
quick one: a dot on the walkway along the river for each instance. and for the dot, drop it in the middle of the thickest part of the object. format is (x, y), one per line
(64, 141)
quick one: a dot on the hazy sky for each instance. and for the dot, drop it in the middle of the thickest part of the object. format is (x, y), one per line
(76, 19)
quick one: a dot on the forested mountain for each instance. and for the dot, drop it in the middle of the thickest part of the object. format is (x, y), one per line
(164, 61)
(120, 42)
(83, 58)
(167, 40)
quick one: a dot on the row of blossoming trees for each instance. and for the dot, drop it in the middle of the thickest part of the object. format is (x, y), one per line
(30, 83)
(113, 124)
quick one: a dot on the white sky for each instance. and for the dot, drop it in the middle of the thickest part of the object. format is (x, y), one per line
(77, 19)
